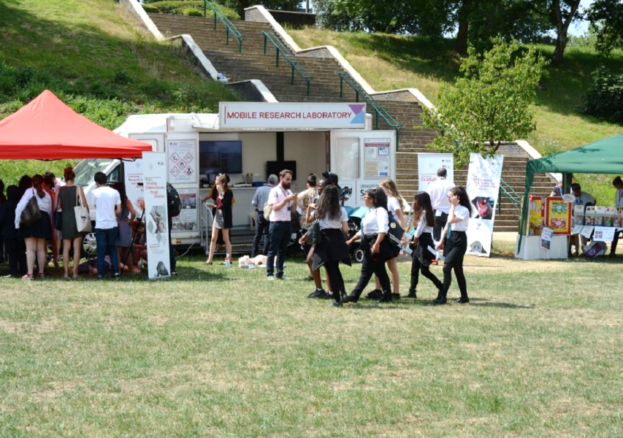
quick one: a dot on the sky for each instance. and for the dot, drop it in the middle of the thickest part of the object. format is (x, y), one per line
(578, 28)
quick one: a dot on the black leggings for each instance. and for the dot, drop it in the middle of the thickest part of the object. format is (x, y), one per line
(456, 246)
(369, 267)
(335, 278)
(416, 267)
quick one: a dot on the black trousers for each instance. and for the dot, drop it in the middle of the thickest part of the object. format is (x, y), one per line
(416, 267)
(16, 252)
(440, 222)
(335, 277)
(369, 267)
(456, 246)
(261, 229)
(172, 252)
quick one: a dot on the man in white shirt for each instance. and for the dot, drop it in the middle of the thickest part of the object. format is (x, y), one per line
(438, 191)
(581, 198)
(281, 201)
(618, 202)
(107, 204)
(261, 223)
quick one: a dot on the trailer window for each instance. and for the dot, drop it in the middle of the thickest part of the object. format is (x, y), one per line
(86, 170)
(347, 158)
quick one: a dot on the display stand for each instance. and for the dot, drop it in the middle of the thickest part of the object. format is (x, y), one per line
(531, 248)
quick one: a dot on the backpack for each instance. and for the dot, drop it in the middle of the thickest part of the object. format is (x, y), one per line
(174, 201)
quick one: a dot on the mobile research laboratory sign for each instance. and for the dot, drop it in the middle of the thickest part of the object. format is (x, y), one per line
(258, 115)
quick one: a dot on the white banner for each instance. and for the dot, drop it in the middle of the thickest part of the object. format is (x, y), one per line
(156, 220)
(429, 164)
(133, 172)
(261, 115)
(181, 154)
(483, 185)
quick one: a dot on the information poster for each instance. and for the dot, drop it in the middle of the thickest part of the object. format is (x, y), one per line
(483, 185)
(429, 164)
(156, 222)
(546, 238)
(363, 187)
(376, 161)
(133, 171)
(182, 161)
(536, 215)
(187, 219)
(558, 215)
(604, 234)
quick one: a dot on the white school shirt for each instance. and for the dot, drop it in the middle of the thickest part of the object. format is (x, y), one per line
(45, 204)
(375, 221)
(276, 195)
(463, 214)
(332, 224)
(422, 226)
(104, 200)
(393, 205)
(438, 191)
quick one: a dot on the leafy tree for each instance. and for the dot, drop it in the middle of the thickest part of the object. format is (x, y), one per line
(490, 103)
(606, 17)
(565, 11)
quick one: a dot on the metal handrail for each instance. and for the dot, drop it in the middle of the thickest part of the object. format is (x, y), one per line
(510, 193)
(379, 109)
(229, 26)
(280, 48)
(205, 224)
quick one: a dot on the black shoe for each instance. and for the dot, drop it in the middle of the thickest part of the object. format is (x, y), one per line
(335, 303)
(318, 293)
(440, 300)
(462, 300)
(386, 298)
(376, 294)
(411, 294)
(350, 299)
(395, 297)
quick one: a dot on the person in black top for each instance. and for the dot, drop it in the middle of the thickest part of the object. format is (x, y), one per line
(223, 219)
(14, 243)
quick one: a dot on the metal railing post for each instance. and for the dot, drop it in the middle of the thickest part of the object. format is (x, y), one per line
(227, 37)
(308, 88)
(214, 19)
(264, 44)
(277, 58)
(341, 87)
(292, 76)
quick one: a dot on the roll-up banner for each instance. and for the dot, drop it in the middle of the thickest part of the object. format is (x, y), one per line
(156, 219)
(483, 185)
(429, 164)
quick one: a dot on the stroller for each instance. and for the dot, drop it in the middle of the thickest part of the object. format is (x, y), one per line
(354, 226)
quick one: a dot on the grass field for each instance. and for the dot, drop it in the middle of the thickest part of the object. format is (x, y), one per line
(222, 352)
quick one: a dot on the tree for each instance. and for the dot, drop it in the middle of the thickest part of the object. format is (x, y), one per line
(606, 17)
(490, 103)
(565, 11)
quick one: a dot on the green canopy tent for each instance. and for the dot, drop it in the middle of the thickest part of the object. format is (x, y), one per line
(602, 156)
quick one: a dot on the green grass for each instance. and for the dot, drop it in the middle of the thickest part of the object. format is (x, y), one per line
(223, 352)
(93, 57)
(390, 62)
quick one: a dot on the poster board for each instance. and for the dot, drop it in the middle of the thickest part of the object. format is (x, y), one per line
(186, 221)
(376, 159)
(133, 174)
(536, 215)
(558, 215)
(429, 164)
(182, 161)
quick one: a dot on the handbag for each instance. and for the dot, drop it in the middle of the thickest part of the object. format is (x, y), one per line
(31, 212)
(83, 218)
(267, 209)
(395, 233)
(58, 220)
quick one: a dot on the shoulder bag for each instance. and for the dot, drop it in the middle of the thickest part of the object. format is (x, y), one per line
(31, 212)
(83, 218)
(395, 233)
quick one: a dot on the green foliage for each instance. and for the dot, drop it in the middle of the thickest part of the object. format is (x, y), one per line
(489, 104)
(187, 7)
(606, 17)
(605, 97)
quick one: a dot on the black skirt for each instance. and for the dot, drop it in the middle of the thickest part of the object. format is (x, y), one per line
(455, 247)
(386, 252)
(332, 247)
(421, 251)
(42, 229)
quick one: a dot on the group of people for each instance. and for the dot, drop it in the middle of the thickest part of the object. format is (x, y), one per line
(440, 219)
(26, 242)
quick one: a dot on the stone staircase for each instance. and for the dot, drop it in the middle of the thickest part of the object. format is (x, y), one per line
(252, 63)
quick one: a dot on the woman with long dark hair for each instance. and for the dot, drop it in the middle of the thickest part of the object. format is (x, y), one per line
(223, 218)
(422, 239)
(331, 247)
(375, 244)
(454, 242)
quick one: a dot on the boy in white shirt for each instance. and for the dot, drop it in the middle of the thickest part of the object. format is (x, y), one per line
(107, 203)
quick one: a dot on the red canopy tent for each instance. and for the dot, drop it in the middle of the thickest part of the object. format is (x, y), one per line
(47, 129)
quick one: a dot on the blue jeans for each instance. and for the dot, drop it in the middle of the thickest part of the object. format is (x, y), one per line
(279, 234)
(106, 243)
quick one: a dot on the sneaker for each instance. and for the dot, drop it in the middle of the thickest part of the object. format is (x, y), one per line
(6, 276)
(270, 277)
(395, 297)
(41, 275)
(283, 277)
(116, 276)
(28, 277)
(376, 294)
(318, 293)
(335, 304)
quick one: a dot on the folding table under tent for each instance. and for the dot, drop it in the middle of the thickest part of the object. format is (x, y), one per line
(48, 129)
(602, 156)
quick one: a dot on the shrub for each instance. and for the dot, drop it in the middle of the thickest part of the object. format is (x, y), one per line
(187, 7)
(605, 96)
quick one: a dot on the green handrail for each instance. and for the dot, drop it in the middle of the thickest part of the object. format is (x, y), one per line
(510, 193)
(379, 109)
(280, 48)
(229, 26)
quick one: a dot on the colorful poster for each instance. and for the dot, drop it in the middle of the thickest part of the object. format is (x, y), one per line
(546, 238)
(483, 185)
(558, 215)
(376, 158)
(186, 221)
(429, 164)
(182, 161)
(536, 215)
(156, 222)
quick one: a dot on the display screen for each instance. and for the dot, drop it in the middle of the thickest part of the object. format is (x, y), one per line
(220, 157)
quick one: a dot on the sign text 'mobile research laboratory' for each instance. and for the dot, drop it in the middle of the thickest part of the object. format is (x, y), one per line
(259, 115)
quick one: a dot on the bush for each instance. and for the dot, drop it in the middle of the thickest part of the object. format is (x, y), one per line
(188, 8)
(605, 96)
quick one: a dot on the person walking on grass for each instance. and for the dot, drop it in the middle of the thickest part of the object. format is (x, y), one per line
(438, 192)
(422, 241)
(66, 200)
(280, 200)
(107, 204)
(222, 219)
(454, 244)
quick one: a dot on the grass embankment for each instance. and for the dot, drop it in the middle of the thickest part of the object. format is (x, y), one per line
(93, 57)
(390, 62)
(223, 352)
